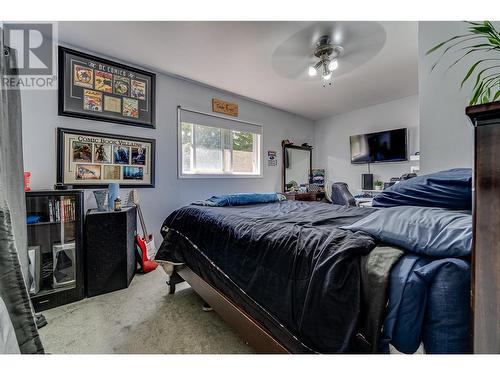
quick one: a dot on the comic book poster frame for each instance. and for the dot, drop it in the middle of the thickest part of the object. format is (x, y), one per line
(64, 156)
(64, 84)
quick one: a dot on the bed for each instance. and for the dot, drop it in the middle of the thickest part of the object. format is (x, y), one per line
(291, 278)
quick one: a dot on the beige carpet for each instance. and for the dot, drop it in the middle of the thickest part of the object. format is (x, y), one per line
(140, 319)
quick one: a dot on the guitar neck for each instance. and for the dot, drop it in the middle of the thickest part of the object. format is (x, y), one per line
(143, 223)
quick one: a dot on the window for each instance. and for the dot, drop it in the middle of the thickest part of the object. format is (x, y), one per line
(214, 146)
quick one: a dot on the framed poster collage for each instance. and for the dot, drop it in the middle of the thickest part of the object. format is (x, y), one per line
(91, 160)
(98, 89)
(94, 88)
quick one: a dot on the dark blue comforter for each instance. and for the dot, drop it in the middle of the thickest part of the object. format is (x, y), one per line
(299, 266)
(290, 257)
(429, 302)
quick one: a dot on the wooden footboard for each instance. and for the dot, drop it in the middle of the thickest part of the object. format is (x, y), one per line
(251, 331)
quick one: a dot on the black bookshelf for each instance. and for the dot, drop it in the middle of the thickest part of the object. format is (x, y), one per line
(55, 247)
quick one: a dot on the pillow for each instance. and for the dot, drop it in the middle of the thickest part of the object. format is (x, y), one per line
(448, 189)
(429, 231)
(240, 199)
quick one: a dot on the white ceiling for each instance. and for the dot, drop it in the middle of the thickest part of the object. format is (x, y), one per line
(238, 57)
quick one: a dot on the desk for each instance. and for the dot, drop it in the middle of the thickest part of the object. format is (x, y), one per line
(305, 196)
(371, 193)
(364, 202)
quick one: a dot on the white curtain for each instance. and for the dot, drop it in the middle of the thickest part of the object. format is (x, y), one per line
(13, 240)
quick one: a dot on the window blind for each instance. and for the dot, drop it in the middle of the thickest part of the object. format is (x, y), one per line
(201, 118)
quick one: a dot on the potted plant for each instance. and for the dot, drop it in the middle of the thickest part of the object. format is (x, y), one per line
(481, 40)
(379, 185)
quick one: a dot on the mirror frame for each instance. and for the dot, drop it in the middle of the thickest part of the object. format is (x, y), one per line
(292, 146)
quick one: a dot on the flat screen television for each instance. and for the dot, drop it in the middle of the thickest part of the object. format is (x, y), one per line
(380, 147)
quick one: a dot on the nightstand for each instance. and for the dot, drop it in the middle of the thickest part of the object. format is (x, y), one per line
(110, 249)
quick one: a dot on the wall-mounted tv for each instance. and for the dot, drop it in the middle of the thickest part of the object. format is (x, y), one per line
(380, 147)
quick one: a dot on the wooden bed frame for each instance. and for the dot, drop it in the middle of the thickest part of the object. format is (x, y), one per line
(249, 329)
(485, 288)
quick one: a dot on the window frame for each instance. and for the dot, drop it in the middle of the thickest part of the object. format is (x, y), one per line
(258, 144)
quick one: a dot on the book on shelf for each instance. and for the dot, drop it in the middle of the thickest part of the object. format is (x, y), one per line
(68, 212)
(51, 210)
(57, 211)
(60, 210)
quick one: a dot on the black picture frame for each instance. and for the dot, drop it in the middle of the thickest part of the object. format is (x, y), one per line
(61, 158)
(64, 98)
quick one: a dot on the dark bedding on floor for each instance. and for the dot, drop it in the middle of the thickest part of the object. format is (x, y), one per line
(289, 257)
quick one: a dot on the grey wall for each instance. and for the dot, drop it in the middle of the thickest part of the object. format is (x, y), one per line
(40, 121)
(332, 148)
(438, 129)
(446, 137)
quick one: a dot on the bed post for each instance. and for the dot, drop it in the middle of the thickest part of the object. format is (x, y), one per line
(173, 278)
(486, 228)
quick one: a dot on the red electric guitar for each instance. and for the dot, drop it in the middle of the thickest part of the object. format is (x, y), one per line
(146, 248)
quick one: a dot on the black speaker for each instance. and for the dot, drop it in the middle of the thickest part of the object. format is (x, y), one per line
(110, 245)
(367, 181)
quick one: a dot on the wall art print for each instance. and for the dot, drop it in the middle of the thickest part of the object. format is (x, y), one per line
(98, 89)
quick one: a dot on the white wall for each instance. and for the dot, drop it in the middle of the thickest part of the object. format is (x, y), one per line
(40, 121)
(446, 135)
(332, 148)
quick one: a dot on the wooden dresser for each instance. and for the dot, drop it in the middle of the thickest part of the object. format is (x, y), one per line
(486, 224)
(305, 196)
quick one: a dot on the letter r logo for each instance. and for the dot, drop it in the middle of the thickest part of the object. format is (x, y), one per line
(31, 45)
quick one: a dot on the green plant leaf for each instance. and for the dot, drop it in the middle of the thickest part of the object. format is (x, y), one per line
(458, 60)
(487, 76)
(487, 84)
(460, 42)
(443, 43)
(450, 47)
(481, 29)
(490, 82)
(483, 93)
(473, 67)
(476, 94)
(470, 72)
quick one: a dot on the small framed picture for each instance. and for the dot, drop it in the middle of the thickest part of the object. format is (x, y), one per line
(92, 160)
(121, 155)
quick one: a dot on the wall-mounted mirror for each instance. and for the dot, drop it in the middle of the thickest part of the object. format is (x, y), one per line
(297, 165)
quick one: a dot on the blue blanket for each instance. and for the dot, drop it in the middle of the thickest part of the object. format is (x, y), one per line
(239, 199)
(429, 302)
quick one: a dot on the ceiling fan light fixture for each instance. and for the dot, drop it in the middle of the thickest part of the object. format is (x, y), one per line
(334, 64)
(327, 54)
(327, 74)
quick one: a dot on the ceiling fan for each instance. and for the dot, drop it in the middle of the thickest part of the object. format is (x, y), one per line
(327, 50)
(328, 54)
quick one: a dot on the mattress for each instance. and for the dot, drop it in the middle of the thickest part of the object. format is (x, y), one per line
(287, 264)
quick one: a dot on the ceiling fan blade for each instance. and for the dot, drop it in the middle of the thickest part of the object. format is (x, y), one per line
(360, 41)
